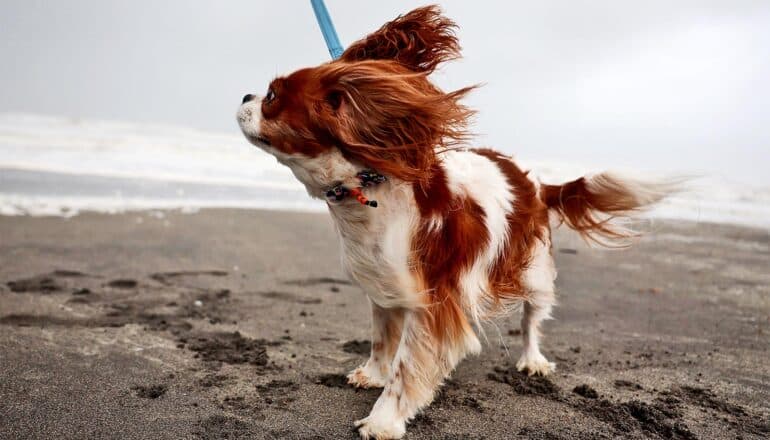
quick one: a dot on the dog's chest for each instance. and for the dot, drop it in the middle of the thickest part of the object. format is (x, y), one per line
(376, 249)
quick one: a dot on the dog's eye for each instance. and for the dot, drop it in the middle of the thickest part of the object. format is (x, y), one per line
(270, 96)
(334, 99)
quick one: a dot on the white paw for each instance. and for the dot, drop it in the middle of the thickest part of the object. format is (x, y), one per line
(380, 428)
(366, 376)
(535, 364)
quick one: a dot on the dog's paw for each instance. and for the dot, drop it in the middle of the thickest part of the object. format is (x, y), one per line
(380, 428)
(535, 364)
(366, 377)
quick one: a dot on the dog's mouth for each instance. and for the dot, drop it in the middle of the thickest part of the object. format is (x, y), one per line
(263, 140)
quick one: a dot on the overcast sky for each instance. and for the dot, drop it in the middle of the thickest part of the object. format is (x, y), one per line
(658, 85)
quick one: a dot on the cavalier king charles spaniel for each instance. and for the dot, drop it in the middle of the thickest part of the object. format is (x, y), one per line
(459, 235)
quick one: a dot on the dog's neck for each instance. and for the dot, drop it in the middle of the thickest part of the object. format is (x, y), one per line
(331, 177)
(319, 173)
(367, 178)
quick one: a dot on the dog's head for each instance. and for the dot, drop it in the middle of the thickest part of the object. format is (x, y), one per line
(374, 107)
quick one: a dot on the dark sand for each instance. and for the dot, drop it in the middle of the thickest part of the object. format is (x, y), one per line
(240, 324)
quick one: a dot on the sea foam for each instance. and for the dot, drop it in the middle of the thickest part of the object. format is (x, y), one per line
(62, 166)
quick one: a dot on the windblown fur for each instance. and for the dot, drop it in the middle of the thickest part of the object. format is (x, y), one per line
(592, 205)
(460, 234)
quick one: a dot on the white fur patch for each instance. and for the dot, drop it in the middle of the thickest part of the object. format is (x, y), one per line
(541, 273)
(472, 175)
(249, 116)
(376, 244)
(535, 364)
(384, 422)
(322, 172)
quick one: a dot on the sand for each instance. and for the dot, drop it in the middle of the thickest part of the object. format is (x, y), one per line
(240, 324)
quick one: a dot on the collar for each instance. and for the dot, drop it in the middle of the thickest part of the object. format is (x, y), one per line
(366, 178)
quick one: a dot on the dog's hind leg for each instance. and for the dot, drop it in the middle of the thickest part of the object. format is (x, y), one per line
(532, 360)
(539, 280)
(386, 333)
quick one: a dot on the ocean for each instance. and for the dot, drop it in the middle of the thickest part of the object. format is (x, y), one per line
(58, 166)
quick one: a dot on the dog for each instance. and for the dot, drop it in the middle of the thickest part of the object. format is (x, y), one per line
(459, 235)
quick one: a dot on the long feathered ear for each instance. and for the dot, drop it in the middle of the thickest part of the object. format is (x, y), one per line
(387, 117)
(419, 40)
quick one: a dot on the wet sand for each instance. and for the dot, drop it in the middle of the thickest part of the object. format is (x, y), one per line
(240, 324)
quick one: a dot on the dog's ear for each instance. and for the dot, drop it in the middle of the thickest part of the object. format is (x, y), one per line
(387, 117)
(419, 40)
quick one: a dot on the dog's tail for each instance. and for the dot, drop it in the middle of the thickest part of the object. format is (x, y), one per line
(596, 205)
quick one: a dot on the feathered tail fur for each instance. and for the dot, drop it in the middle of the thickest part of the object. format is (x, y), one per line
(592, 205)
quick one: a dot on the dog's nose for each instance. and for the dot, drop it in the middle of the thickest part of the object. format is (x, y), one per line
(247, 98)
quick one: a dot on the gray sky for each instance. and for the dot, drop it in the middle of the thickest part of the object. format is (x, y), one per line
(658, 85)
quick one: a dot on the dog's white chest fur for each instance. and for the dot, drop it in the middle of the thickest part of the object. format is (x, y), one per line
(376, 243)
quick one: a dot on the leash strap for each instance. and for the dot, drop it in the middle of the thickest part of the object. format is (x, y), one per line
(327, 28)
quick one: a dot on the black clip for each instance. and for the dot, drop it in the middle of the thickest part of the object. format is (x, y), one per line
(370, 178)
(337, 193)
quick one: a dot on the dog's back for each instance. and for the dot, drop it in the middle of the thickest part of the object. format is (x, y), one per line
(474, 240)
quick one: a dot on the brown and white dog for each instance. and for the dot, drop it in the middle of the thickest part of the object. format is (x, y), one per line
(460, 234)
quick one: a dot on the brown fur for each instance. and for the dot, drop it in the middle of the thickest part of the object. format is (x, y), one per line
(527, 223)
(591, 209)
(419, 40)
(442, 254)
(377, 112)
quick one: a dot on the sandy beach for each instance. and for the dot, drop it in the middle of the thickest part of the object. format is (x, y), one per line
(235, 324)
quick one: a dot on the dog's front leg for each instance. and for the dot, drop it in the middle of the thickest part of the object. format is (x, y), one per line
(420, 365)
(386, 334)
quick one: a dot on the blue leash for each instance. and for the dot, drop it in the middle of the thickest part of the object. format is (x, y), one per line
(327, 28)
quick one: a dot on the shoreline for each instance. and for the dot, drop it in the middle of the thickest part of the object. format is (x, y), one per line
(320, 209)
